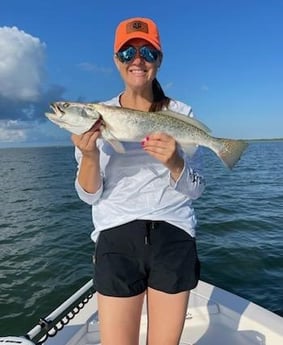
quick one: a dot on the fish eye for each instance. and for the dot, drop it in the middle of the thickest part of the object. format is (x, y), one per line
(65, 105)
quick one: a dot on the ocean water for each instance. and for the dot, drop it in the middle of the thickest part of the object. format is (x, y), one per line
(45, 246)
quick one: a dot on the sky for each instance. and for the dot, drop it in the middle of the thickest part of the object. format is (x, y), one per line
(224, 58)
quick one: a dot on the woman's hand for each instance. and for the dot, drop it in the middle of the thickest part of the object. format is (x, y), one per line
(86, 142)
(164, 148)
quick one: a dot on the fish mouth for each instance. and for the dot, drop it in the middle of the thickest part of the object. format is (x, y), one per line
(56, 108)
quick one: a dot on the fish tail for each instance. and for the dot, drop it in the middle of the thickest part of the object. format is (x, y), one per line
(230, 151)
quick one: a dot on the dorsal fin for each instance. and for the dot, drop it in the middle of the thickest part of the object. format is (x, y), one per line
(190, 120)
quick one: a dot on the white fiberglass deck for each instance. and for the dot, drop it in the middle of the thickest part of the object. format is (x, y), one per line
(214, 317)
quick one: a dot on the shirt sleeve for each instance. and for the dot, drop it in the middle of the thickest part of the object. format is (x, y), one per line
(190, 182)
(89, 198)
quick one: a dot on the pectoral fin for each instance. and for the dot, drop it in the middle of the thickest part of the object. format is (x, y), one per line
(113, 141)
(117, 146)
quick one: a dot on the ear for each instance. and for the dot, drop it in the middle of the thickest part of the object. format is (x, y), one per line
(159, 60)
(116, 61)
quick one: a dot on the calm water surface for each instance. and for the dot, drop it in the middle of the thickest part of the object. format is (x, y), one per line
(45, 248)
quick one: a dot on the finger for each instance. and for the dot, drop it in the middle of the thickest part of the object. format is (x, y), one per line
(89, 134)
(90, 137)
(76, 138)
(159, 136)
(159, 145)
(86, 139)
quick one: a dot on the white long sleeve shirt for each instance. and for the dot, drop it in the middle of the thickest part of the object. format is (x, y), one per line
(137, 186)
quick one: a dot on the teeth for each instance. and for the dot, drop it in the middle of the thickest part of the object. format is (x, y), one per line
(137, 71)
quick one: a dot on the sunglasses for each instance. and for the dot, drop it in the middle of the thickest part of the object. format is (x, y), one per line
(128, 54)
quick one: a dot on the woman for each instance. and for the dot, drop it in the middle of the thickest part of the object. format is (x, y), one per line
(141, 205)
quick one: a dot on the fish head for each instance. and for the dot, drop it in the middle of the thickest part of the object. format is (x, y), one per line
(75, 117)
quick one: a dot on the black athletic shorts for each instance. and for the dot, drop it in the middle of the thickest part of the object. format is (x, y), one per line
(140, 254)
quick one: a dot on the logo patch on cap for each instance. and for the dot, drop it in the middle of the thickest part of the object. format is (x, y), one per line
(137, 26)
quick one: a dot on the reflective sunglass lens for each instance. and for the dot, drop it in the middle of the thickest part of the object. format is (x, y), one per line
(127, 55)
(150, 55)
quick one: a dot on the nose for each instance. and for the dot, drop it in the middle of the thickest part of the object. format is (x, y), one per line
(138, 57)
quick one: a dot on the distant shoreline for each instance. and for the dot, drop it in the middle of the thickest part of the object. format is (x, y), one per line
(260, 140)
(69, 145)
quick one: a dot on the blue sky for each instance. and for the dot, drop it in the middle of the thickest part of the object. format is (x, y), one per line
(224, 58)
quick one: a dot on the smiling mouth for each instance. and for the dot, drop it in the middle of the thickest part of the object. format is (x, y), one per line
(138, 71)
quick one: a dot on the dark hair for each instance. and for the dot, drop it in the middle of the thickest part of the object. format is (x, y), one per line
(160, 100)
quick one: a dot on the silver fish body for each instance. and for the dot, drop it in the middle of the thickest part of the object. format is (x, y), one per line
(122, 124)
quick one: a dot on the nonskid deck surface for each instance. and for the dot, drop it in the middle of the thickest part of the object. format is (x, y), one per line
(208, 322)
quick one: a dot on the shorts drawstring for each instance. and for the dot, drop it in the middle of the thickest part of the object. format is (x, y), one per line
(150, 225)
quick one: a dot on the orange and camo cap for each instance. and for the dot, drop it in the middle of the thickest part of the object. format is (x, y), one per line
(137, 28)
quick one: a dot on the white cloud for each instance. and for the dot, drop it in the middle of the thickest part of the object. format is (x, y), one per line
(23, 97)
(21, 65)
(12, 131)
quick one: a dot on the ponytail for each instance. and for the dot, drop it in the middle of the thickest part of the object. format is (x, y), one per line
(160, 100)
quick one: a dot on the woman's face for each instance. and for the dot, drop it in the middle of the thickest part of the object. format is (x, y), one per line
(138, 73)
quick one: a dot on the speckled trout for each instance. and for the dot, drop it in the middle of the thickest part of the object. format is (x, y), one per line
(120, 125)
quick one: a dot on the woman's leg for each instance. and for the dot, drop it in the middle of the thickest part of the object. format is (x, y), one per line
(166, 316)
(119, 319)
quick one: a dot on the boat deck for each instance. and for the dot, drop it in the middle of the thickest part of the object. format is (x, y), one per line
(234, 321)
